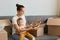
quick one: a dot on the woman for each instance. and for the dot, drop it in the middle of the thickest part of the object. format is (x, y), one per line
(20, 14)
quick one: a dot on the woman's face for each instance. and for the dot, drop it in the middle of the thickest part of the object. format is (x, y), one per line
(21, 12)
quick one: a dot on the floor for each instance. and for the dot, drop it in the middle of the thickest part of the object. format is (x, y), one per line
(45, 37)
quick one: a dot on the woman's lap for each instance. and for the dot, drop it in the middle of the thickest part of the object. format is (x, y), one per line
(16, 37)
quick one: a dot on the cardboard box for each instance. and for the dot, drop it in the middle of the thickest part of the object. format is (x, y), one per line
(38, 21)
(3, 35)
(53, 26)
(7, 24)
(38, 32)
(6, 21)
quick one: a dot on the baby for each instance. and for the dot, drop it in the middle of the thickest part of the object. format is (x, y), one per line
(24, 30)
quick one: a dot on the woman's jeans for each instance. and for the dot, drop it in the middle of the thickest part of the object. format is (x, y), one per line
(16, 37)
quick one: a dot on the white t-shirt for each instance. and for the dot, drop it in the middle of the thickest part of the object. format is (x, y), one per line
(14, 21)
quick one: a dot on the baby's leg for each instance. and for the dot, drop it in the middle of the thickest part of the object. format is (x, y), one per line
(21, 36)
(30, 35)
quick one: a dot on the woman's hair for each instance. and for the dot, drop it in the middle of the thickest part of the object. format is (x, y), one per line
(19, 7)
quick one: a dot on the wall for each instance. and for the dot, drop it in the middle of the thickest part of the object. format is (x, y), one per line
(39, 7)
(7, 7)
(33, 7)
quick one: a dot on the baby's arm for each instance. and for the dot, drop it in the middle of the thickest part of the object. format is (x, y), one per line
(29, 27)
(32, 27)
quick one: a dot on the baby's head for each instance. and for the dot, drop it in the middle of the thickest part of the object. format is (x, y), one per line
(20, 21)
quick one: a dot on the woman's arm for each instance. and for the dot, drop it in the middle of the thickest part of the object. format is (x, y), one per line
(28, 27)
(16, 27)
